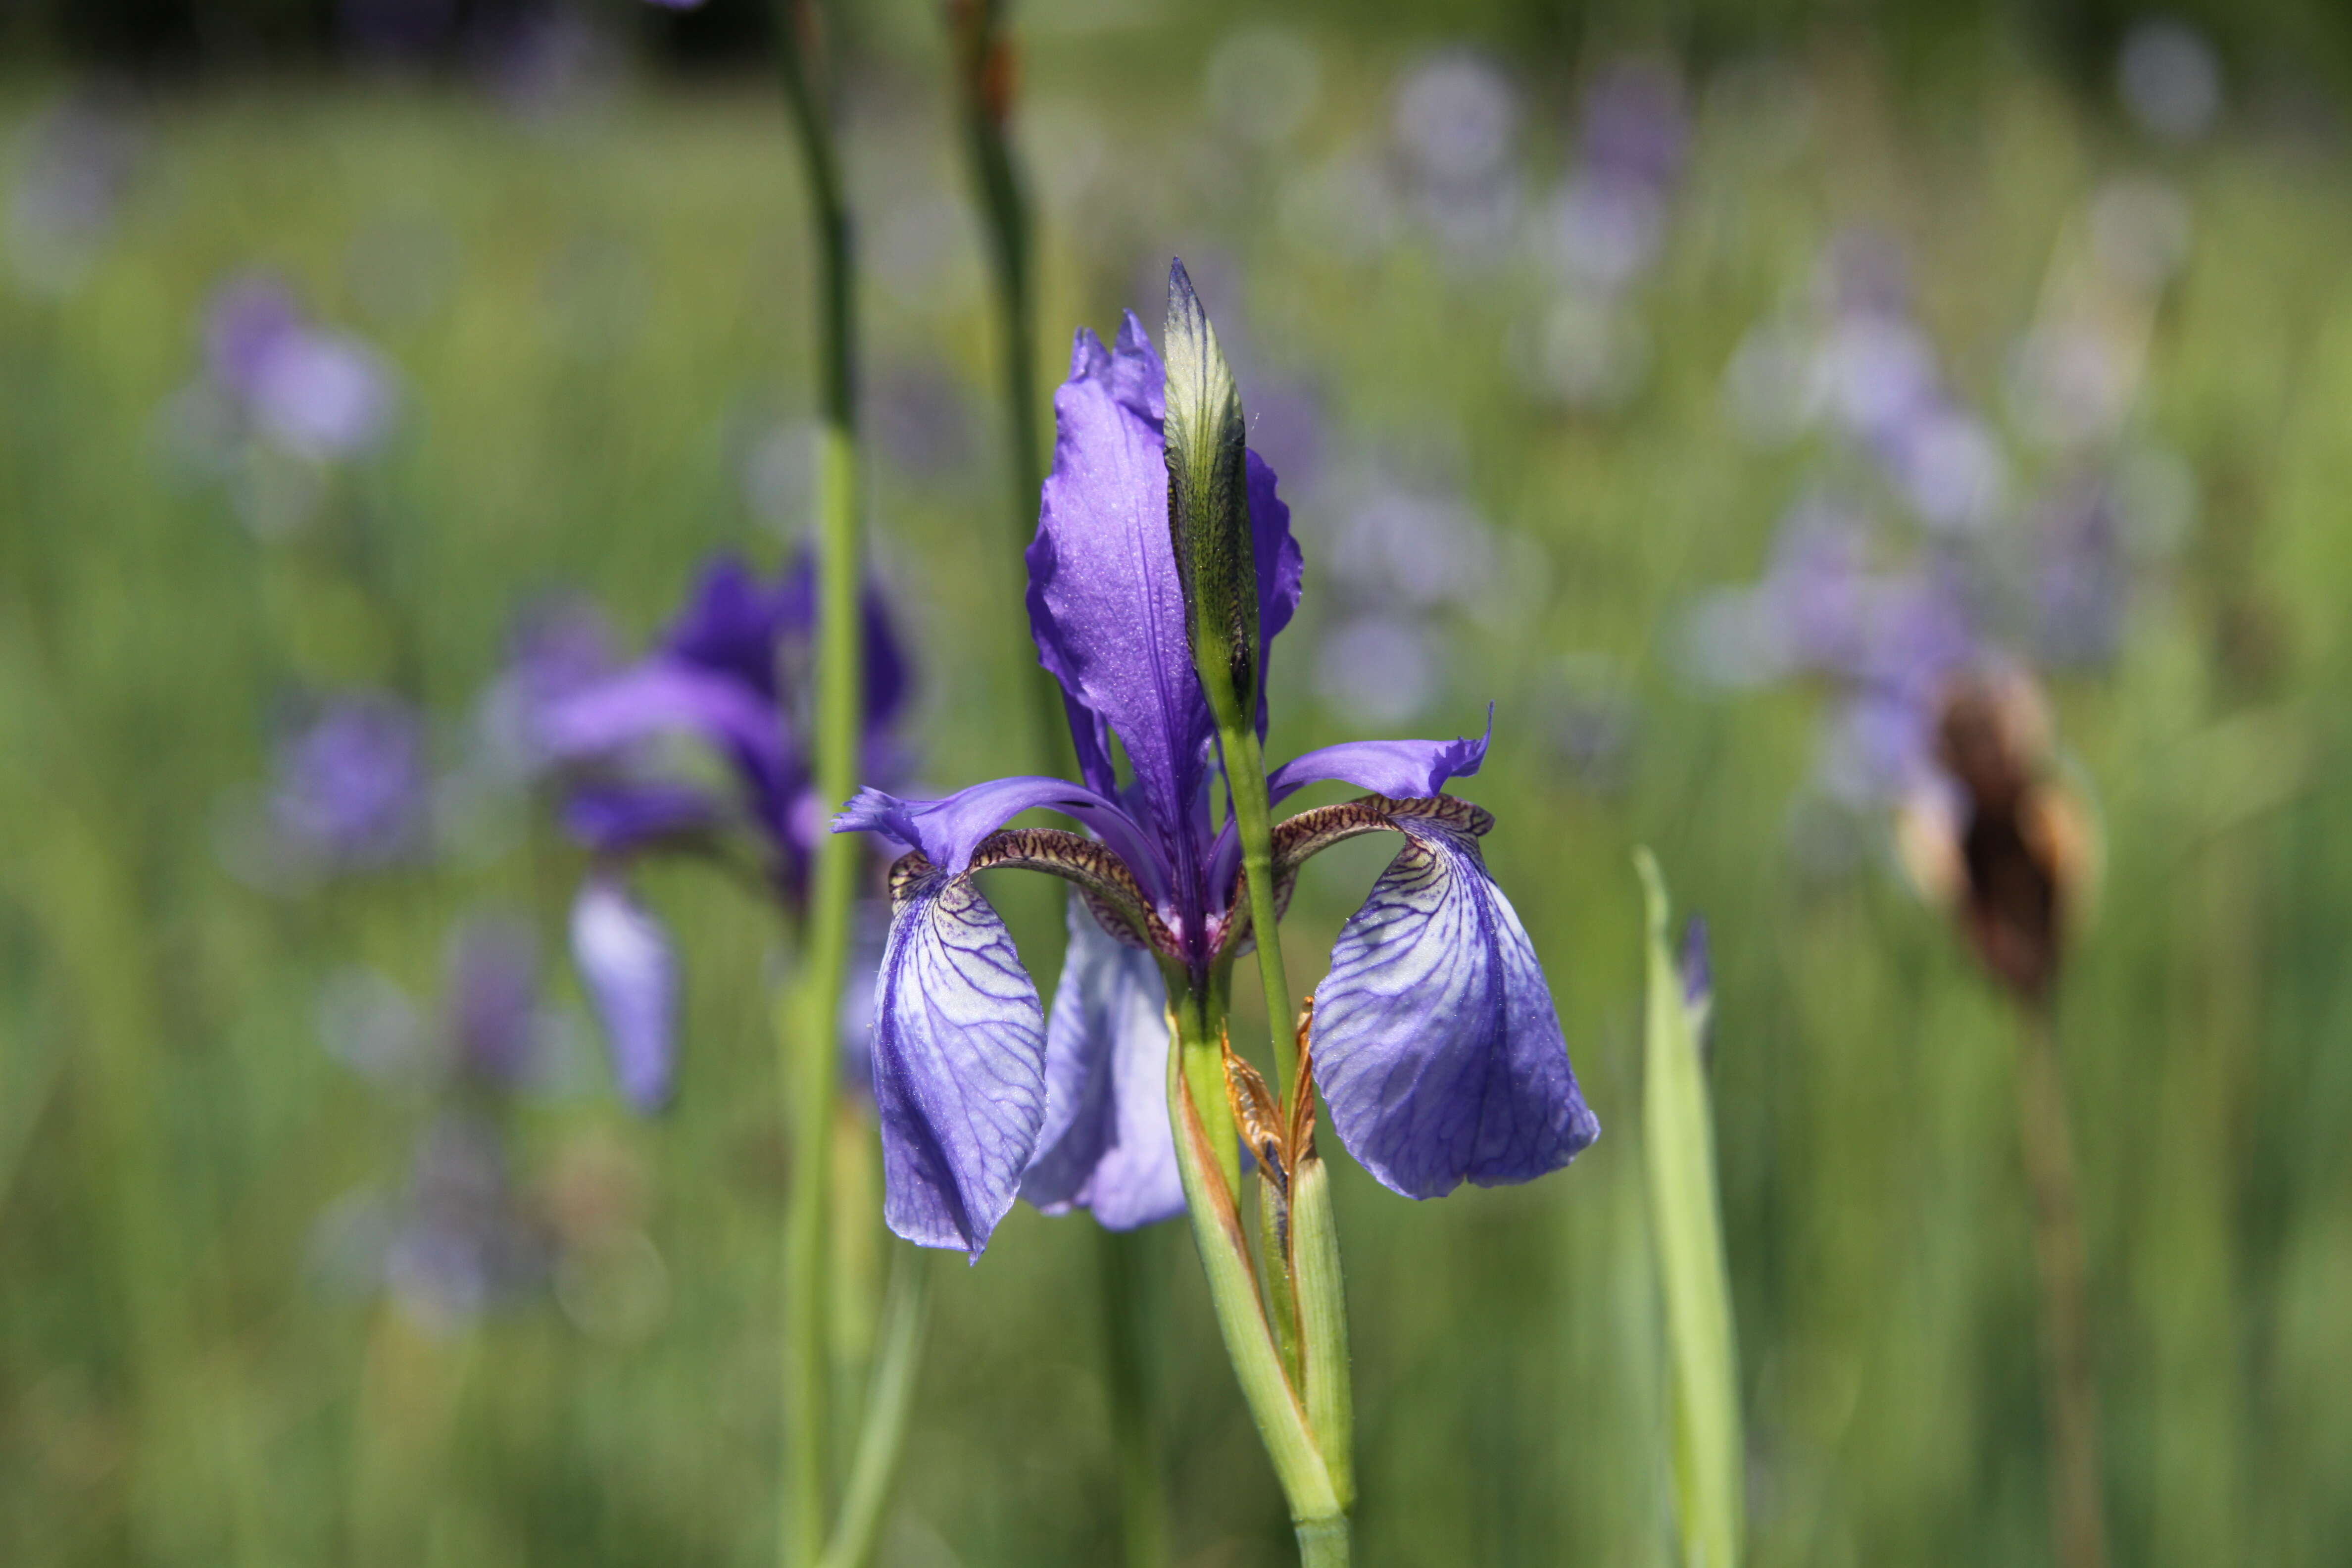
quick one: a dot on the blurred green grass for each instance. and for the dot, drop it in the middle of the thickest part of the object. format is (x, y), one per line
(623, 307)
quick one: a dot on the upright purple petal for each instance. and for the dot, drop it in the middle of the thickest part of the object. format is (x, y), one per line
(631, 973)
(1105, 601)
(1435, 1042)
(731, 625)
(959, 1065)
(947, 831)
(1106, 1144)
(1281, 570)
(1402, 769)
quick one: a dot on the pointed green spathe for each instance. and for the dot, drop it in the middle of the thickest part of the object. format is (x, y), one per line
(1208, 508)
(1687, 1235)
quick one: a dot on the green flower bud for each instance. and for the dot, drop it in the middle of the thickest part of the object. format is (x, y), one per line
(1208, 509)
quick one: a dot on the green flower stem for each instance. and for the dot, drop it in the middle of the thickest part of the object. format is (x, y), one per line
(881, 1436)
(1246, 776)
(1205, 1156)
(1323, 1544)
(1309, 1276)
(809, 1045)
(1686, 1227)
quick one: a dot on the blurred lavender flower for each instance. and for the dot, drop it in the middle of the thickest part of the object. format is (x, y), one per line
(1404, 553)
(1455, 122)
(74, 162)
(311, 393)
(1602, 232)
(458, 1239)
(1606, 223)
(728, 678)
(352, 784)
(1885, 641)
(1866, 369)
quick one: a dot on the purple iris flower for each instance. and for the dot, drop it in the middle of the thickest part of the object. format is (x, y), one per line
(1436, 1043)
(726, 676)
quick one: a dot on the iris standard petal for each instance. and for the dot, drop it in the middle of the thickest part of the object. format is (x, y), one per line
(1106, 604)
(1436, 1043)
(631, 974)
(1106, 1144)
(947, 831)
(1281, 569)
(1404, 770)
(959, 1062)
(731, 625)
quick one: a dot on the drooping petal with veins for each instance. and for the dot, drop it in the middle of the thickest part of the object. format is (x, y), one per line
(1436, 1045)
(1106, 1143)
(959, 1062)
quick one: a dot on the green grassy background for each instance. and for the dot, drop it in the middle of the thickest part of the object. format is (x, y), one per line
(621, 296)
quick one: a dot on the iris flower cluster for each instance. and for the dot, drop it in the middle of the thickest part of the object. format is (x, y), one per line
(1434, 1038)
(726, 678)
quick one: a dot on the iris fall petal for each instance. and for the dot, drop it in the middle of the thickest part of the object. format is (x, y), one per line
(1436, 1043)
(958, 1063)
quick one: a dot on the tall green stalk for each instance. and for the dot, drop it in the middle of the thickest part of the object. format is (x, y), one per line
(984, 79)
(809, 1030)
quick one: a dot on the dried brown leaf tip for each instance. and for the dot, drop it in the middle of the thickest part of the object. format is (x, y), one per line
(1302, 1099)
(1259, 1116)
(2014, 859)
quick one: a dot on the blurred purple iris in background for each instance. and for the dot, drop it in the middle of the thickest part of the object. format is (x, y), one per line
(1886, 639)
(1435, 1042)
(311, 392)
(728, 679)
(352, 786)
